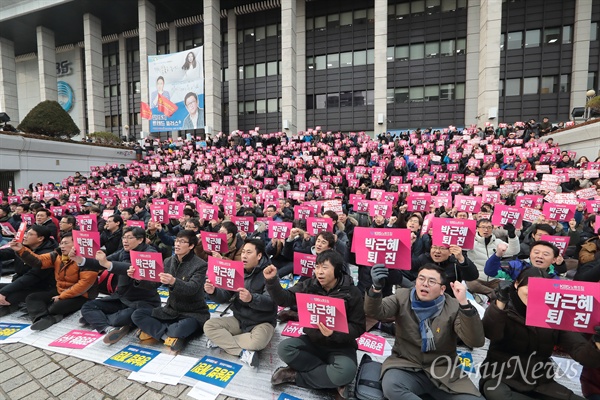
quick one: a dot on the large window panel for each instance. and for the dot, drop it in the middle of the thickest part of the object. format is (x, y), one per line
(401, 95)
(460, 91)
(370, 97)
(551, 35)
(346, 99)
(447, 91)
(390, 54)
(320, 23)
(532, 38)
(333, 21)
(417, 7)
(513, 87)
(360, 57)
(416, 94)
(346, 59)
(260, 33)
(261, 70)
(249, 106)
(346, 18)
(432, 93)
(359, 98)
(371, 56)
(515, 40)
(272, 106)
(402, 10)
(249, 72)
(261, 106)
(567, 34)
(333, 100)
(333, 60)
(432, 50)
(549, 84)
(321, 101)
(272, 30)
(565, 83)
(320, 62)
(390, 96)
(461, 46)
(402, 53)
(447, 48)
(530, 85)
(417, 51)
(448, 5)
(310, 62)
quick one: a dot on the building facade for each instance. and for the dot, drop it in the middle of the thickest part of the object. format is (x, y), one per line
(371, 65)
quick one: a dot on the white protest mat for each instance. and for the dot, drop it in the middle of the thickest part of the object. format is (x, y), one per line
(152, 369)
(204, 391)
(172, 373)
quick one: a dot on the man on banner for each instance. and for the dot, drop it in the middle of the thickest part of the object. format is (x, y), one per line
(518, 363)
(112, 314)
(321, 358)
(484, 246)
(195, 117)
(26, 279)
(185, 313)
(543, 255)
(429, 323)
(74, 285)
(253, 323)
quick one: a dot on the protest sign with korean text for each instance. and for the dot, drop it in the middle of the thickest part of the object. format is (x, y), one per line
(382, 246)
(76, 339)
(304, 264)
(214, 371)
(561, 242)
(225, 274)
(314, 309)
(371, 343)
(279, 230)
(292, 329)
(469, 204)
(507, 215)
(87, 222)
(214, 241)
(132, 358)
(453, 232)
(147, 265)
(86, 243)
(160, 213)
(559, 212)
(244, 224)
(314, 226)
(418, 201)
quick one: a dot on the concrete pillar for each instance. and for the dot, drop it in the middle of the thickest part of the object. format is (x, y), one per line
(46, 52)
(172, 38)
(212, 66)
(94, 77)
(581, 53)
(289, 100)
(301, 65)
(472, 71)
(124, 87)
(490, 17)
(380, 67)
(232, 67)
(147, 36)
(8, 81)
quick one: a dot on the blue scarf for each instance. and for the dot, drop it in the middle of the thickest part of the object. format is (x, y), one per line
(426, 311)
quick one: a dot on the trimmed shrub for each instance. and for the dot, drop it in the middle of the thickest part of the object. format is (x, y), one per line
(49, 119)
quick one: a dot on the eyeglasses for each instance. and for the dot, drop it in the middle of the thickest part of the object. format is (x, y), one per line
(128, 238)
(486, 227)
(439, 248)
(430, 281)
(181, 241)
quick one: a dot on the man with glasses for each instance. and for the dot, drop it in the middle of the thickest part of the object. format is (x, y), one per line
(186, 311)
(428, 324)
(235, 243)
(484, 247)
(66, 225)
(195, 118)
(112, 314)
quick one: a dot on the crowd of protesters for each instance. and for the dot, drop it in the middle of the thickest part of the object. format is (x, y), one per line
(270, 178)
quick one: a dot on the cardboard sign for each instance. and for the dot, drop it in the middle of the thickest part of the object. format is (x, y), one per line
(213, 241)
(304, 264)
(208, 212)
(76, 339)
(314, 226)
(147, 265)
(559, 212)
(159, 213)
(21, 232)
(87, 223)
(382, 246)
(214, 371)
(292, 329)
(303, 212)
(132, 358)
(225, 274)
(507, 215)
(371, 343)
(453, 232)
(86, 243)
(418, 201)
(562, 242)
(314, 309)
(383, 208)
(469, 204)
(244, 224)
(564, 305)
(279, 230)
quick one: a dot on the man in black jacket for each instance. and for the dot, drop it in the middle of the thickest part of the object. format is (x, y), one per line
(253, 322)
(112, 314)
(27, 280)
(110, 238)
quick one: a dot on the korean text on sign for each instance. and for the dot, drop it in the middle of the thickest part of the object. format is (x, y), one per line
(314, 309)
(225, 274)
(214, 370)
(147, 265)
(386, 246)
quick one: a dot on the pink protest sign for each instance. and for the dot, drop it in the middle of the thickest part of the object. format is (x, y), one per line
(418, 201)
(427, 223)
(559, 212)
(279, 230)
(333, 205)
(303, 212)
(564, 305)
(292, 329)
(57, 211)
(449, 232)
(530, 201)
(593, 206)
(371, 343)
(469, 204)
(147, 265)
(383, 208)
(137, 223)
(507, 215)
(244, 224)
(7, 229)
(314, 309)
(304, 264)
(175, 209)
(561, 242)
(213, 241)
(87, 223)
(382, 246)
(86, 243)
(160, 213)
(314, 226)
(531, 214)
(225, 274)
(76, 339)
(21, 232)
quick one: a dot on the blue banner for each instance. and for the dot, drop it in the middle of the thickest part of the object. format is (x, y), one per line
(132, 358)
(214, 370)
(7, 329)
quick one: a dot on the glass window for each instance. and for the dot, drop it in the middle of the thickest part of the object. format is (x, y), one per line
(370, 97)
(346, 99)
(333, 100)
(402, 10)
(360, 16)
(320, 62)
(390, 96)
(248, 71)
(448, 5)
(161, 49)
(461, 46)
(107, 121)
(249, 35)
(551, 35)
(566, 36)
(106, 92)
(447, 48)
(460, 91)
(447, 92)
(432, 49)
(105, 62)
(241, 108)
(272, 105)
(310, 101)
(333, 60)
(549, 84)
(346, 59)
(501, 88)
(530, 85)
(310, 24)
(432, 93)
(260, 33)
(310, 62)
(433, 6)
(346, 18)
(137, 87)
(360, 57)
(241, 72)
(115, 121)
(261, 70)
(417, 51)
(371, 56)
(333, 21)
(402, 53)
(532, 38)
(515, 40)
(225, 74)
(359, 98)
(114, 90)
(113, 60)
(591, 81)
(240, 37)
(417, 7)
(249, 106)
(594, 31)
(320, 23)
(513, 87)
(565, 83)
(401, 95)
(261, 106)
(321, 101)
(272, 30)
(279, 103)
(502, 39)
(390, 54)
(461, 4)
(136, 56)
(272, 68)
(371, 15)
(416, 94)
